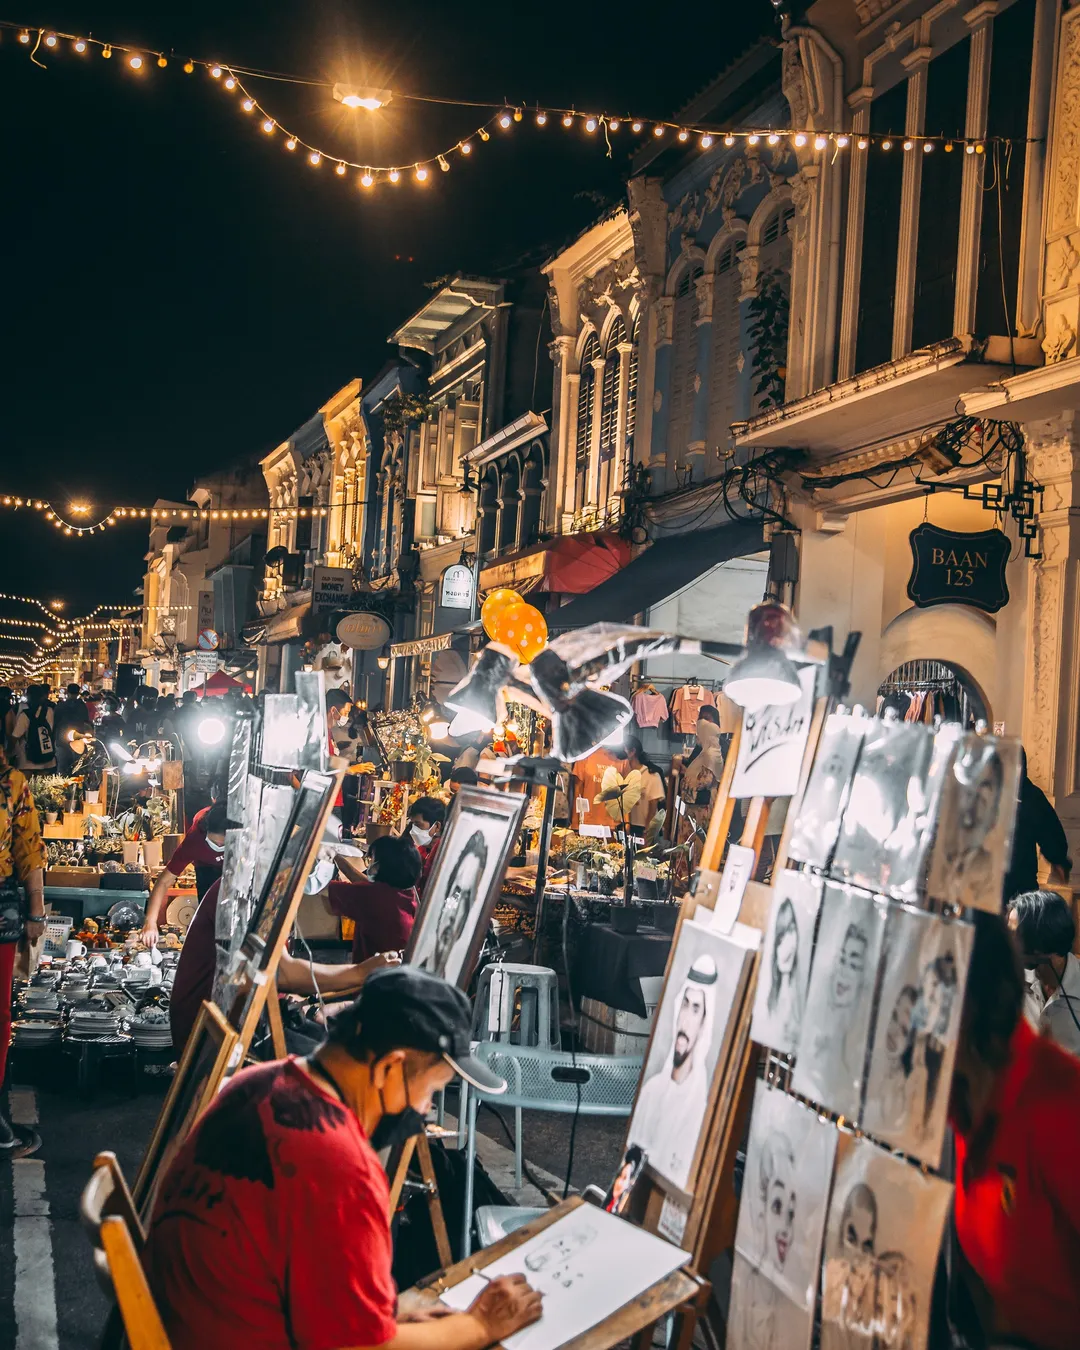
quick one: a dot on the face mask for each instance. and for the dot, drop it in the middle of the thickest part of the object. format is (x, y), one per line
(395, 1129)
(216, 848)
(420, 836)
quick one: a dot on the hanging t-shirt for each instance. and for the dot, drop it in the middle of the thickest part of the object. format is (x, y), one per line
(653, 793)
(686, 703)
(650, 709)
(588, 775)
(270, 1228)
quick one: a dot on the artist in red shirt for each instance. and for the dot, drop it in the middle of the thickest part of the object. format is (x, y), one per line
(203, 846)
(382, 902)
(194, 979)
(427, 816)
(1015, 1107)
(271, 1227)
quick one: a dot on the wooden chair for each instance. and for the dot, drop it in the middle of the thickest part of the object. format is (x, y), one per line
(109, 1216)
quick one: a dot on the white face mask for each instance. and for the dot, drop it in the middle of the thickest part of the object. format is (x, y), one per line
(217, 848)
(420, 836)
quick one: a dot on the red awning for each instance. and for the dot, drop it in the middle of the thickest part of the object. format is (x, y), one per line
(572, 565)
(219, 683)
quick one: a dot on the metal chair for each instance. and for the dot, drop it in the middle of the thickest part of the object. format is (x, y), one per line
(108, 1215)
(528, 994)
(547, 1080)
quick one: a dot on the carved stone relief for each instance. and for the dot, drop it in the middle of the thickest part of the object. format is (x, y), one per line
(749, 270)
(1062, 261)
(1066, 184)
(1060, 341)
(665, 315)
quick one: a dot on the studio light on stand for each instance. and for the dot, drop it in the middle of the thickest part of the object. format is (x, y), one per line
(581, 719)
(766, 676)
(211, 730)
(478, 699)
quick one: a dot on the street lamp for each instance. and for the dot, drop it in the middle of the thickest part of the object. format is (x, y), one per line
(361, 96)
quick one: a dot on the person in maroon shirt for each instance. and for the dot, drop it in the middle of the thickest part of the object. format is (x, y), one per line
(203, 846)
(427, 816)
(1015, 1109)
(383, 902)
(271, 1227)
(194, 979)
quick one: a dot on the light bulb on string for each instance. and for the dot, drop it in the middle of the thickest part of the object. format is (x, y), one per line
(863, 142)
(568, 120)
(268, 126)
(80, 45)
(366, 179)
(636, 126)
(314, 159)
(658, 130)
(485, 135)
(773, 138)
(50, 40)
(189, 67)
(248, 105)
(842, 141)
(684, 135)
(908, 145)
(504, 120)
(590, 124)
(230, 83)
(162, 62)
(948, 147)
(706, 141)
(614, 124)
(753, 138)
(421, 174)
(886, 145)
(799, 139)
(518, 114)
(927, 147)
(24, 37)
(820, 142)
(106, 52)
(444, 164)
(290, 144)
(394, 176)
(216, 72)
(135, 62)
(465, 148)
(339, 169)
(541, 119)
(729, 141)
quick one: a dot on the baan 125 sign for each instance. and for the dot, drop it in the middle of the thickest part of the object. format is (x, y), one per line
(954, 568)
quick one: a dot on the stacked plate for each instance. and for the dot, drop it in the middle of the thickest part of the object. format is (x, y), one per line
(92, 1021)
(36, 1028)
(150, 1029)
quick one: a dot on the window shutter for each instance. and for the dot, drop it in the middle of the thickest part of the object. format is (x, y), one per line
(683, 349)
(631, 386)
(726, 345)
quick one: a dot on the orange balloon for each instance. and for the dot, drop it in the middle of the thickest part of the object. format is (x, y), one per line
(523, 629)
(493, 606)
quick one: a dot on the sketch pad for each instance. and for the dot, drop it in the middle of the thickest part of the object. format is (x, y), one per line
(587, 1265)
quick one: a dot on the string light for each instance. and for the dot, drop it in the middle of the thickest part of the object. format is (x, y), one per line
(106, 52)
(684, 135)
(421, 173)
(504, 120)
(658, 130)
(367, 180)
(541, 119)
(590, 124)
(636, 126)
(248, 105)
(80, 46)
(393, 175)
(773, 138)
(50, 40)
(135, 62)
(268, 126)
(339, 169)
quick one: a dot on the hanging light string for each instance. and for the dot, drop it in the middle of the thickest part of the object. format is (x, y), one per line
(68, 519)
(503, 116)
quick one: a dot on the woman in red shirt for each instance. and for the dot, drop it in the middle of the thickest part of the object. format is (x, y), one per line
(1015, 1107)
(383, 902)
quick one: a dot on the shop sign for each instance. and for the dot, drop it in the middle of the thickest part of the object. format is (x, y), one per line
(772, 744)
(331, 588)
(206, 662)
(949, 567)
(363, 631)
(457, 587)
(206, 609)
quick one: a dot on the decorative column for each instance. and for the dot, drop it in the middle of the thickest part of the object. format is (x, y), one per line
(592, 472)
(618, 464)
(1051, 730)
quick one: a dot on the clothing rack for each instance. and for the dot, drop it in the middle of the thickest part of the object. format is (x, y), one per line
(936, 677)
(638, 681)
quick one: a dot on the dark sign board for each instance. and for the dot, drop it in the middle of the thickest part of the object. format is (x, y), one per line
(952, 568)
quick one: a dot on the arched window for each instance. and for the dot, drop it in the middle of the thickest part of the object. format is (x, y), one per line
(586, 407)
(774, 287)
(726, 345)
(683, 363)
(532, 492)
(509, 488)
(609, 394)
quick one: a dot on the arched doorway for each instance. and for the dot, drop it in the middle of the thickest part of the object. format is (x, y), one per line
(921, 690)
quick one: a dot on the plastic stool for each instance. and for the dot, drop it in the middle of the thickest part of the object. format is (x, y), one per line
(494, 1222)
(529, 994)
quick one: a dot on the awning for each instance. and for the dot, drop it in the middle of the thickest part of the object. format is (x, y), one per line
(283, 627)
(663, 569)
(572, 565)
(887, 403)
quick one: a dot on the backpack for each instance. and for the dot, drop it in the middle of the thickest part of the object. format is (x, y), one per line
(39, 741)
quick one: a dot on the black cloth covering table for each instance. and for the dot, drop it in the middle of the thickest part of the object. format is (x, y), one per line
(609, 965)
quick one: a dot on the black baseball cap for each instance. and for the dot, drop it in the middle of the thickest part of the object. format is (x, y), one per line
(405, 1008)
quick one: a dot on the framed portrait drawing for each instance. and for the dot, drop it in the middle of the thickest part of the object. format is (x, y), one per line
(817, 826)
(891, 811)
(789, 1165)
(464, 884)
(918, 1022)
(312, 732)
(688, 1052)
(973, 845)
(207, 1057)
(282, 731)
(784, 977)
(829, 1063)
(882, 1239)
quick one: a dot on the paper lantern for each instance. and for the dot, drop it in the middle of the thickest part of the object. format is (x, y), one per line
(522, 628)
(494, 605)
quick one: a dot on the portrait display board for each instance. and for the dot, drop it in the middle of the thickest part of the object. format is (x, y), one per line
(974, 840)
(313, 736)
(587, 1265)
(918, 1022)
(706, 980)
(784, 975)
(274, 808)
(829, 1063)
(282, 732)
(890, 815)
(464, 883)
(239, 763)
(817, 825)
(770, 754)
(789, 1164)
(882, 1239)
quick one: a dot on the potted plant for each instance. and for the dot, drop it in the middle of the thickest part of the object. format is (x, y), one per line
(48, 791)
(619, 794)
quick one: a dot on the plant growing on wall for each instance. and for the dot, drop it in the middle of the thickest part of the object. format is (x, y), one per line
(769, 322)
(405, 410)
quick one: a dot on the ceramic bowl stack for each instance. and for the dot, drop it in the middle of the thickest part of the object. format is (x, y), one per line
(150, 1028)
(38, 1019)
(96, 1019)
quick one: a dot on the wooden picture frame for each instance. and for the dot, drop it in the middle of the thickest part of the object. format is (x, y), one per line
(273, 914)
(482, 826)
(210, 1052)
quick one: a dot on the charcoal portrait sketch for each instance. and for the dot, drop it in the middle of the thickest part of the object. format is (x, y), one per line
(978, 814)
(891, 811)
(780, 1000)
(836, 1024)
(881, 1247)
(821, 810)
(922, 995)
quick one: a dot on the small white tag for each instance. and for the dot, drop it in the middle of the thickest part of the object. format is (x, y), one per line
(595, 831)
(672, 1222)
(645, 872)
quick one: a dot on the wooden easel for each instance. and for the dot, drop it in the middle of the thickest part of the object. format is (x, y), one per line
(420, 1147)
(713, 1210)
(637, 1319)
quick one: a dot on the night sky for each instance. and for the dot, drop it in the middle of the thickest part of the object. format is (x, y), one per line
(179, 291)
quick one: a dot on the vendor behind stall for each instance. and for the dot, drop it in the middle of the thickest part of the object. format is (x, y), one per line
(203, 847)
(382, 902)
(427, 816)
(194, 980)
(272, 1226)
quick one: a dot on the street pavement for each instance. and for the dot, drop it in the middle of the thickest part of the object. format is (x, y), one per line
(49, 1299)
